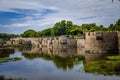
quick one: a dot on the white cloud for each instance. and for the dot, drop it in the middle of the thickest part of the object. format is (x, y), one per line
(7, 5)
(105, 12)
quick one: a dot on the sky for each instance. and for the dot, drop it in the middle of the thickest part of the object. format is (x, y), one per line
(17, 16)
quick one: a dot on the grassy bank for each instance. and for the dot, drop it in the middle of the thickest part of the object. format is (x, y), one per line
(114, 58)
(107, 67)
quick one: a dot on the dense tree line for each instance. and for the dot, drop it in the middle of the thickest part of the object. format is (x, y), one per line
(4, 35)
(65, 28)
(114, 27)
(68, 28)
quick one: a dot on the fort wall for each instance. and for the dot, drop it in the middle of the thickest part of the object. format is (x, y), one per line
(101, 41)
(93, 42)
(118, 35)
(61, 42)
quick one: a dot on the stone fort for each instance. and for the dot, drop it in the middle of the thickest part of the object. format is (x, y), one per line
(92, 42)
(102, 41)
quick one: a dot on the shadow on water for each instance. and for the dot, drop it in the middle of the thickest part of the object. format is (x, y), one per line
(4, 78)
(6, 52)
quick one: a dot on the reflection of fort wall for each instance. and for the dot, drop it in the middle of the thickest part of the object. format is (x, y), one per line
(31, 50)
(63, 58)
(93, 56)
(64, 52)
(61, 52)
(6, 52)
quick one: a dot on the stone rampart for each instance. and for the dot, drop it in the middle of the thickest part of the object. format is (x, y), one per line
(101, 41)
(61, 42)
(118, 35)
(93, 42)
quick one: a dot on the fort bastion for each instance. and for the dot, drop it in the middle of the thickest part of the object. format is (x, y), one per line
(92, 42)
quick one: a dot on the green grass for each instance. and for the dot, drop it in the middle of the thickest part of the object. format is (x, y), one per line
(113, 58)
(110, 66)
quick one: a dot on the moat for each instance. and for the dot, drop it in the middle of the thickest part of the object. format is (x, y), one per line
(46, 64)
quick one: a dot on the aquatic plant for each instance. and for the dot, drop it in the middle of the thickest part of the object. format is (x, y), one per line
(4, 60)
(107, 67)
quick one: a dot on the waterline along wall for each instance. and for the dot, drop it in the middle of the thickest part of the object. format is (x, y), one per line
(93, 42)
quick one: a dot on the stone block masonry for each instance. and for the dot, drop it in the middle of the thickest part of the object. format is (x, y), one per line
(102, 42)
(93, 42)
(49, 42)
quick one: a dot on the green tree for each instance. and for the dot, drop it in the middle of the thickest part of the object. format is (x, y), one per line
(47, 32)
(87, 26)
(75, 30)
(117, 25)
(114, 27)
(60, 28)
(29, 33)
(111, 27)
(69, 25)
(4, 35)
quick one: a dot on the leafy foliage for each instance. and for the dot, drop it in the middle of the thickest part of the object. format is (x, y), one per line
(114, 27)
(68, 28)
(47, 32)
(29, 33)
(4, 35)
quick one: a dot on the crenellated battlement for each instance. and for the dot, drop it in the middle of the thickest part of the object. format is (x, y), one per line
(92, 42)
(102, 41)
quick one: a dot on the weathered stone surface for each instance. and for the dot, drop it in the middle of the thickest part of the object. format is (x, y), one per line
(61, 42)
(92, 43)
(102, 41)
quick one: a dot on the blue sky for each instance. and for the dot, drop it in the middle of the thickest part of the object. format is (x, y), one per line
(16, 16)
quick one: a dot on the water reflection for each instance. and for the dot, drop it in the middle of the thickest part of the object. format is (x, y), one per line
(61, 52)
(62, 58)
(89, 57)
(52, 64)
(6, 52)
(4, 78)
(66, 58)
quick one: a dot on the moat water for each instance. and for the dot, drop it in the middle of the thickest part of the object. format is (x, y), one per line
(46, 64)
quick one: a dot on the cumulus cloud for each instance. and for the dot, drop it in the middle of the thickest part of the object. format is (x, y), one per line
(42, 14)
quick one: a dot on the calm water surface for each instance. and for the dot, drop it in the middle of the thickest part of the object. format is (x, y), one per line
(45, 64)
